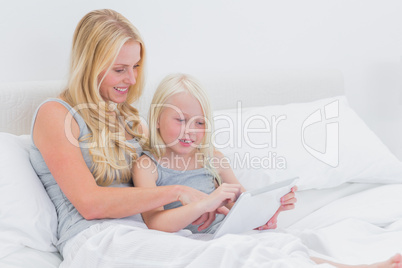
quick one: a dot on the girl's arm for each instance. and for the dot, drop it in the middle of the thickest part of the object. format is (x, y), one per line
(172, 220)
(227, 175)
(58, 144)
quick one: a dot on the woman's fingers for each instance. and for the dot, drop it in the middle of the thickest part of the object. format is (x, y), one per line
(190, 195)
(222, 195)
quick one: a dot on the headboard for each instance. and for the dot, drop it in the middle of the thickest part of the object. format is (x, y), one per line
(20, 99)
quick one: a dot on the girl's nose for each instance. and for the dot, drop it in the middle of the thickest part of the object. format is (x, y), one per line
(190, 127)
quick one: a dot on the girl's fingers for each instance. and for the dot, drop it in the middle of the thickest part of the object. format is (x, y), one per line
(201, 219)
(288, 207)
(288, 196)
(287, 199)
(222, 210)
(208, 222)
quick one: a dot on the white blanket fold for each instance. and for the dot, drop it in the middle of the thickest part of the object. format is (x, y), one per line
(365, 227)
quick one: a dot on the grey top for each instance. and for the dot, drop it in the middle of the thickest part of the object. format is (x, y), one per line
(200, 179)
(70, 221)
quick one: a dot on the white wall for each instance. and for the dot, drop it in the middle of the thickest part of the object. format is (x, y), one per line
(361, 38)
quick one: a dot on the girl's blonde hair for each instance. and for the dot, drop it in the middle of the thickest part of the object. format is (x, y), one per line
(97, 41)
(172, 85)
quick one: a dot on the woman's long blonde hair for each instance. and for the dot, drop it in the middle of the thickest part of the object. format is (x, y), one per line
(97, 41)
(172, 85)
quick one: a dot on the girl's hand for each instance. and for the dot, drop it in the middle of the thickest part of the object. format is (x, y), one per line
(287, 202)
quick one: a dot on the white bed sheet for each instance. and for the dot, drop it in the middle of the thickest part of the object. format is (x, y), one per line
(309, 202)
(363, 227)
(31, 258)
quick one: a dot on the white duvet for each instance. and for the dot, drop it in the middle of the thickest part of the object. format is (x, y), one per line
(364, 227)
(361, 227)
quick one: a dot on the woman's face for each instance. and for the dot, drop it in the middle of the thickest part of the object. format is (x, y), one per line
(122, 75)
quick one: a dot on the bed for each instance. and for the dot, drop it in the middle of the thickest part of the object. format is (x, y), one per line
(272, 126)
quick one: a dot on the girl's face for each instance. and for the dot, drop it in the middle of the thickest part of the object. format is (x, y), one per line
(181, 124)
(122, 75)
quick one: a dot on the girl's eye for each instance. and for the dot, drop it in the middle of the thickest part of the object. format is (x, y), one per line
(120, 70)
(180, 120)
(200, 123)
(136, 66)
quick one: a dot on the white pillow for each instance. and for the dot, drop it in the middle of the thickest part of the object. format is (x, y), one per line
(27, 215)
(324, 142)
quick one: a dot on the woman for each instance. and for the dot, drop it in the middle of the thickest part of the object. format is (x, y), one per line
(88, 137)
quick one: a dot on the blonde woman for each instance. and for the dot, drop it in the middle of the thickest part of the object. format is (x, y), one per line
(181, 152)
(86, 140)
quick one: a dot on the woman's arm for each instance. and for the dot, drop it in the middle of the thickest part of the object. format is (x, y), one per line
(58, 144)
(172, 220)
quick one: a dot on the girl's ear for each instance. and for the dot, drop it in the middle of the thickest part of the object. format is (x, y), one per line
(157, 124)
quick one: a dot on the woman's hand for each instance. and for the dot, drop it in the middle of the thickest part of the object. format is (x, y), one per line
(211, 204)
(224, 194)
(216, 201)
(287, 202)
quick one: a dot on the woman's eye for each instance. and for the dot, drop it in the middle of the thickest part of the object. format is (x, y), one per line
(180, 120)
(119, 70)
(136, 66)
(200, 123)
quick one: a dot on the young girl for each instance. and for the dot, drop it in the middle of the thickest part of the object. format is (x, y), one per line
(181, 152)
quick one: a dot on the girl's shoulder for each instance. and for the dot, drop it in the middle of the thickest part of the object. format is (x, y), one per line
(146, 160)
(219, 156)
(220, 161)
(144, 170)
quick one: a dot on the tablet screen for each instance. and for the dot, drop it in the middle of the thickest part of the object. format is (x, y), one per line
(254, 208)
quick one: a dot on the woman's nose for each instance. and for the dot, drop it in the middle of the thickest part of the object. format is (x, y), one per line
(131, 77)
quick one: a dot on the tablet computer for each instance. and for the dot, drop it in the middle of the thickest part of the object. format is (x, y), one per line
(254, 208)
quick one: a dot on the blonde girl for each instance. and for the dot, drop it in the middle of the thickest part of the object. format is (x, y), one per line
(181, 152)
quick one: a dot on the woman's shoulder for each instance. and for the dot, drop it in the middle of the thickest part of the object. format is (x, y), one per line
(52, 109)
(53, 116)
